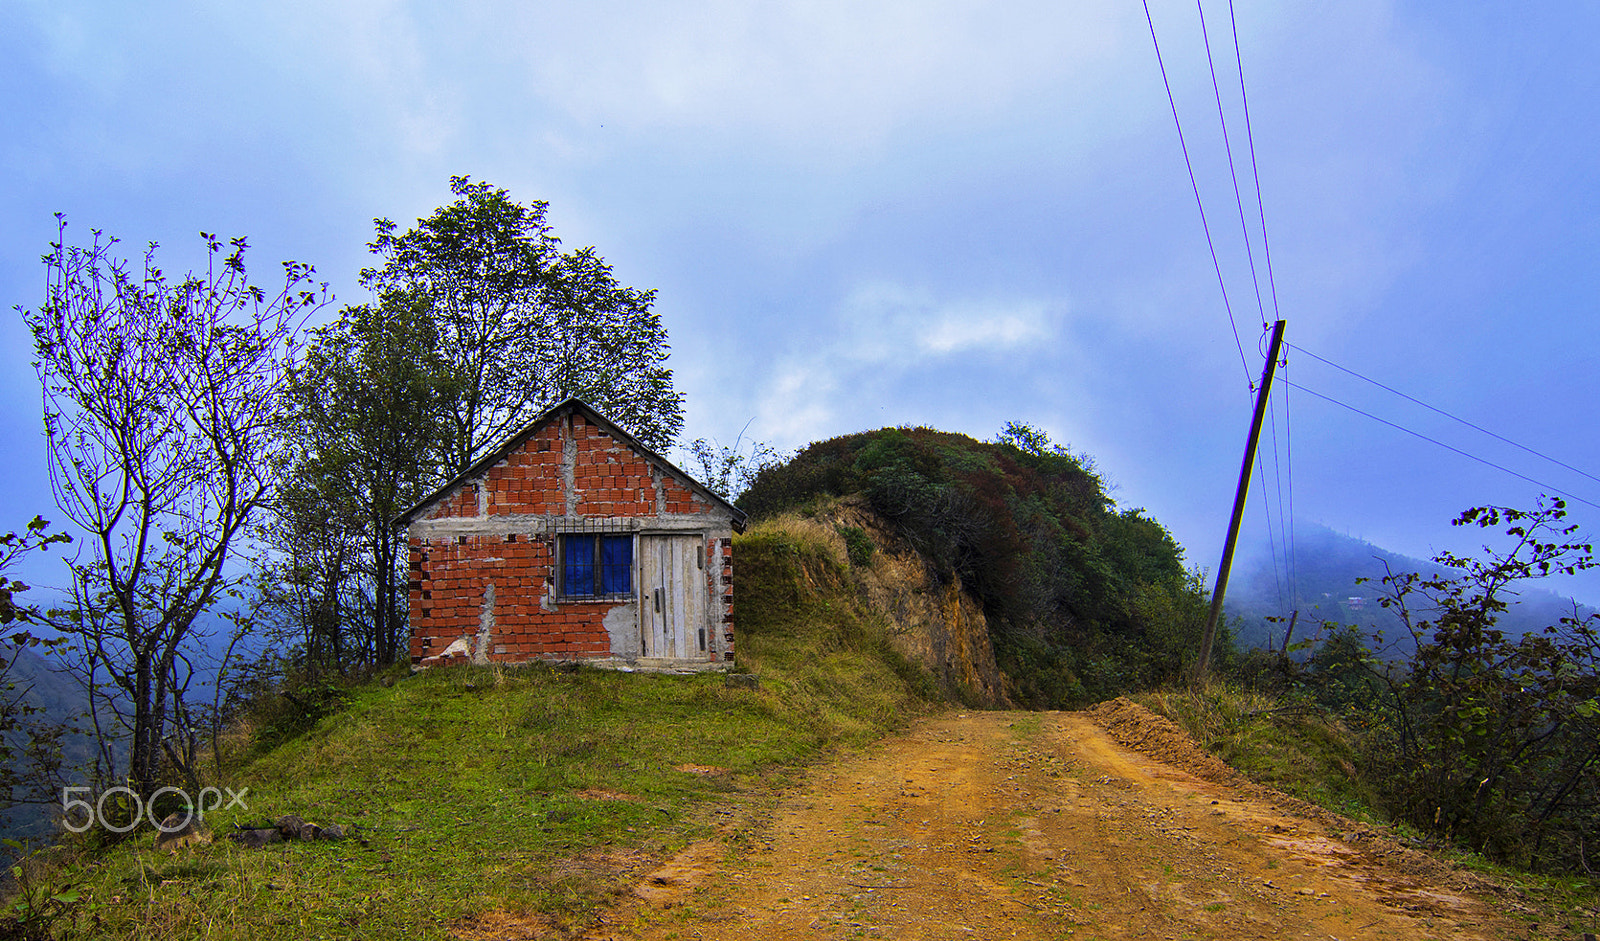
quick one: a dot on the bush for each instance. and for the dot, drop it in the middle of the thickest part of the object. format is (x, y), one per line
(858, 545)
(1485, 739)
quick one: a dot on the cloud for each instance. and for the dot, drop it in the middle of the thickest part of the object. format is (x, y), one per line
(960, 330)
(885, 324)
(793, 408)
(891, 343)
(840, 77)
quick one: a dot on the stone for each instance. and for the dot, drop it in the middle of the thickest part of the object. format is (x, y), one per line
(289, 825)
(170, 836)
(255, 839)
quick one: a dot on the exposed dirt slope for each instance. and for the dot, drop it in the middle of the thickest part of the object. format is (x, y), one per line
(1040, 825)
(932, 621)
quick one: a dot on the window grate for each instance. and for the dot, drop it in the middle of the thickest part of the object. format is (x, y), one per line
(596, 561)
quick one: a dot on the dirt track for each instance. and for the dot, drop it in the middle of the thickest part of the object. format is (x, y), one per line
(1039, 825)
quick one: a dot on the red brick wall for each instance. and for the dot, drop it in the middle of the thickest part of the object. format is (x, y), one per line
(448, 581)
(450, 574)
(611, 479)
(529, 480)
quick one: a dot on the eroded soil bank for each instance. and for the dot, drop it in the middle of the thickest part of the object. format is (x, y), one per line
(1043, 825)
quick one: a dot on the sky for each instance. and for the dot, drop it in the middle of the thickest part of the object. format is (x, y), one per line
(932, 212)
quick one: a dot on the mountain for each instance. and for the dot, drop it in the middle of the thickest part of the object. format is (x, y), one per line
(61, 699)
(1328, 566)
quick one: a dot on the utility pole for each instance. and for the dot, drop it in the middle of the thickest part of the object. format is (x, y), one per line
(1221, 588)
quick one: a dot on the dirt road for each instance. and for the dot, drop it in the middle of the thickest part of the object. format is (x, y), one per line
(1040, 825)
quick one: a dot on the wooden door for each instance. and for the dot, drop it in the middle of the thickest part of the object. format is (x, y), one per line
(672, 596)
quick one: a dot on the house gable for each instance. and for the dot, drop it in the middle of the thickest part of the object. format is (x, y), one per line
(492, 551)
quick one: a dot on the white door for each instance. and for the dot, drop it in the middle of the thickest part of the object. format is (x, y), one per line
(672, 596)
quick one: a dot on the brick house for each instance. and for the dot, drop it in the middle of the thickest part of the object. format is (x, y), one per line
(572, 541)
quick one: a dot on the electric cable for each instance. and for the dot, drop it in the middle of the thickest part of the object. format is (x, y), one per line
(1195, 185)
(1288, 456)
(1446, 414)
(1485, 461)
(1272, 544)
(1255, 169)
(1233, 173)
(1283, 523)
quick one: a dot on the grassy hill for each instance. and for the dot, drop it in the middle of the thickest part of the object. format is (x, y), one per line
(1084, 600)
(524, 793)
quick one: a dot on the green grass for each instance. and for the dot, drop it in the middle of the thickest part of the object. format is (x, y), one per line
(1297, 750)
(523, 790)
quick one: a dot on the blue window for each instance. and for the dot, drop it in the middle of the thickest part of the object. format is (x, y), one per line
(594, 566)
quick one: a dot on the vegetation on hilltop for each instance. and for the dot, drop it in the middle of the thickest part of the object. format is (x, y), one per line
(1084, 601)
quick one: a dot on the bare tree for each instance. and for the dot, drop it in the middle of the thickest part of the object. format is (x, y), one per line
(161, 411)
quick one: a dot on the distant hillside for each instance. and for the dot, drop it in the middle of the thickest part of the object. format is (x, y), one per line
(1327, 567)
(61, 699)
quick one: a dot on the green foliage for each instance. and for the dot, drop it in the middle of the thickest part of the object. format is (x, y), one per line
(1083, 601)
(12, 549)
(858, 545)
(36, 903)
(30, 748)
(524, 325)
(1285, 743)
(728, 472)
(292, 707)
(800, 617)
(1486, 737)
(1490, 739)
(367, 438)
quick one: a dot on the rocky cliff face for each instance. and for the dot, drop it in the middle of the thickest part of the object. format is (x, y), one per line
(937, 624)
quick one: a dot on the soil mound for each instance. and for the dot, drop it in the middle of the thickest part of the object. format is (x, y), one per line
(1133, 726)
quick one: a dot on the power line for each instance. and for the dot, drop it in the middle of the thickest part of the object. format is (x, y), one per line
(1548, 487)
(1194, 184)
(1284, 527)
(1288, 455)
(1283, 531)
(1284, 522)
(1227, 147)
(1272, 542)
(1249, 133)
(1446, 414)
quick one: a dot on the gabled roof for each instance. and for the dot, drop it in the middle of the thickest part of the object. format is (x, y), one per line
(571, 406)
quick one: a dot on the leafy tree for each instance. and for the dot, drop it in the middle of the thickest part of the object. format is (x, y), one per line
(524, 325)
(366, 438)
(1494, 739)
(160, 411)
(1026, 438)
